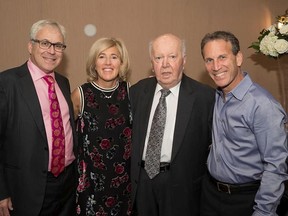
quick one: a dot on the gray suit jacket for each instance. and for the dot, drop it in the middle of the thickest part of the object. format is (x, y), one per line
(192, 136)
(23, 143)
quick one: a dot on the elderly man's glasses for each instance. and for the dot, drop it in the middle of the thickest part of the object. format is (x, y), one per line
(45, 44)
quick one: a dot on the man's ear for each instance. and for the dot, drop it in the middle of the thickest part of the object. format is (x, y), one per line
(239, 58)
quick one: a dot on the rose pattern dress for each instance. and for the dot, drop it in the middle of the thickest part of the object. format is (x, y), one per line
(104, 146)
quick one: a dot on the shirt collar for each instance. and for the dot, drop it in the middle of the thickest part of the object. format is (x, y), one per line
(174, 91)
(36, 72)
(241, 89)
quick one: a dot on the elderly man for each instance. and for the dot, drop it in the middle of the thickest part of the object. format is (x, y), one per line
(170, 138)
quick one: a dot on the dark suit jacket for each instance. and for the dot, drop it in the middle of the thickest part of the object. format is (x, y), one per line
(23, 142)
(192, 137)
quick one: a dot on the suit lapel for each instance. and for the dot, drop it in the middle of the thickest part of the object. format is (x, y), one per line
(29, 94)
(184, 110)
(146, 100)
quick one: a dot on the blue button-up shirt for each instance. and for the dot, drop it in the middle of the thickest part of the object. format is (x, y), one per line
(250, 142)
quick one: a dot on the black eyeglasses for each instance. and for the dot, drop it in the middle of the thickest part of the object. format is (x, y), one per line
(45, 44)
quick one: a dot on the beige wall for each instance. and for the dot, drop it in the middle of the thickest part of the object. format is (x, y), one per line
(139, 21)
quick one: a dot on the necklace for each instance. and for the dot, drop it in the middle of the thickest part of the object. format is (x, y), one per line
(107, 96)
(104, 91)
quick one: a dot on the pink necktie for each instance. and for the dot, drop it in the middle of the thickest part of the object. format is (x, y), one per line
(58, 138)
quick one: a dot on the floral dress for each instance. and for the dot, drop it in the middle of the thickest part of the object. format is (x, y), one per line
(104, 147)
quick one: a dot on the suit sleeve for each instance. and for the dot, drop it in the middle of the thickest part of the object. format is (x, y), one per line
(3, 126)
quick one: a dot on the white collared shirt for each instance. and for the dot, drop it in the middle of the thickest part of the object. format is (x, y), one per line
(172, 102)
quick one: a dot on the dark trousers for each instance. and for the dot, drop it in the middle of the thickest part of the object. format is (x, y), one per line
(153, 196)
(283, 207)
(215, 203)
(60, 194)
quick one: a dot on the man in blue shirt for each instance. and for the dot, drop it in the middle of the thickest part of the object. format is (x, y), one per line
(247, 161)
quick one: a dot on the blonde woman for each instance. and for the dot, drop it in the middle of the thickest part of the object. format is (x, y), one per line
(104, 130)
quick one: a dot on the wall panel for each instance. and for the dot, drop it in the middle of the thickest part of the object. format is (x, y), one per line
(137, 22)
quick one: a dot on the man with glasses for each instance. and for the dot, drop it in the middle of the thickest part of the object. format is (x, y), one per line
(37, 173)
(169, 152)
(45, 44)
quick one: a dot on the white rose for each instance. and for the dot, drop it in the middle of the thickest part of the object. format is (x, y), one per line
(284, 30)
(272, 29)
(281, 46)
(267, 45)
(271, 34)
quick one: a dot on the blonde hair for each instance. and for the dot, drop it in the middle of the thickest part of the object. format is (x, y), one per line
(101, 45)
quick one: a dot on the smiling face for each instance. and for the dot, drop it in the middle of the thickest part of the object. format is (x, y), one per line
(167, 60)
(222, 65)
(46, 59)
(108, 64)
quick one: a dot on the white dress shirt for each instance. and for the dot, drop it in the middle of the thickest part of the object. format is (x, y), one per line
(172, 102)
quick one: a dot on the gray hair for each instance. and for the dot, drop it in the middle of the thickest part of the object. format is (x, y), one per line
(36, 27)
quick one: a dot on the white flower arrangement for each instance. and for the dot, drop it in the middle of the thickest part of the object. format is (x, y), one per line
(272, 41)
